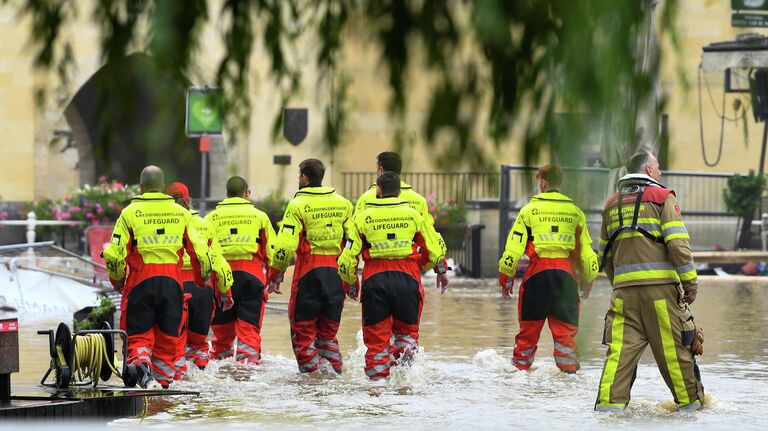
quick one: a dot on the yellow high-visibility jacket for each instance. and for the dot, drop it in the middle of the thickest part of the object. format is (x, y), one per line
(154, 230)
(316, 222)
(219, 265)
(415, 200)
(556, 228)
(243, 231)
(390, 229)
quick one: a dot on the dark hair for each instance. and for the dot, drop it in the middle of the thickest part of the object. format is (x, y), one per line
(390, 161)
(181, 201)
(638, 162)
(314, 170)
(552, 174)
(236, 187)
(389, 183)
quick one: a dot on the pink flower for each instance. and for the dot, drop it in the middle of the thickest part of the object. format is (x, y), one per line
(65, 216)
(74, 209)
(117, 185)
(111, 205)
(89, 216)
(103, 179)
(3, 215)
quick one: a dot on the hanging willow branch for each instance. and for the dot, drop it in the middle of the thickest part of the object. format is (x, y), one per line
(494, 66)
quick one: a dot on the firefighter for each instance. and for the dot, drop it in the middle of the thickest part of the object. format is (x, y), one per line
(144, 259)
(552, 231)
(389, 161)
(645, 252)
(198, 299)
(396, 243)
(315, 226)
(245, 235)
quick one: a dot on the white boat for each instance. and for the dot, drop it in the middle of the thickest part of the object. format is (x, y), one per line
(41, 280)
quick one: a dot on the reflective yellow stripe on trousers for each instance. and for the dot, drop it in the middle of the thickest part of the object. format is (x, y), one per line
(612, 363)
(670, 353)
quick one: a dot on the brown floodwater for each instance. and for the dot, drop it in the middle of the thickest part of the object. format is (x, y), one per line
(463, 377)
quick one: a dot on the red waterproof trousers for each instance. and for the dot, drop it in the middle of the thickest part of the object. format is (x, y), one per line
(151, 316)
(244, 319)
(314, 311)
(549, 291)
(392, 299)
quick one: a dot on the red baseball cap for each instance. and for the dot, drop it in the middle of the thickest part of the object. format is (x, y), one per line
(178, 189)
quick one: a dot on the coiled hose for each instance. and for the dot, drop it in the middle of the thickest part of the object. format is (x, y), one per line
(90, 355)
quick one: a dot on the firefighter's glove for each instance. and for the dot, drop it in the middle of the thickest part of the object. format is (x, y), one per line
(697, 347)
(351, 290)
(507, 283)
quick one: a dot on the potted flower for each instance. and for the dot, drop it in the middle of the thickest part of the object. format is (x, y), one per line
(450, 220)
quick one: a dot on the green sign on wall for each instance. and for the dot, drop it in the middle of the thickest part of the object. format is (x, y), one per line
(204, 111)
(749, 5)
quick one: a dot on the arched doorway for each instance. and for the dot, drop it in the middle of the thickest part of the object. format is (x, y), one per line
(128, 115)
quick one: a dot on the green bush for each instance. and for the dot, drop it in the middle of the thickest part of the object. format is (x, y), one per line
(101, 313)
(274, 205)
(742, 197)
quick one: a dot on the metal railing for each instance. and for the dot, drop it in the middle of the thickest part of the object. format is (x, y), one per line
(464, 247)
(32, 222)
(700, 193)
(456, 187)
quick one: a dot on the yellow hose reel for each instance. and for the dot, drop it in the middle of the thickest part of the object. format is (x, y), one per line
(86, 357)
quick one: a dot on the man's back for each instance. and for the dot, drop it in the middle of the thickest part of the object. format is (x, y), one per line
(157, 225)
(635, 259)
(315, 223)
(555, 223)
(394, 230)
(242, 230)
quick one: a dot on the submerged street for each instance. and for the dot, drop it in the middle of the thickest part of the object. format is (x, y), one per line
(463, 378)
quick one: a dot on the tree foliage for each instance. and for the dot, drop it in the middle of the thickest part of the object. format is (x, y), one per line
(495, 67)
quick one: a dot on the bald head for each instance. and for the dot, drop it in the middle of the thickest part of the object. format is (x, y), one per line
(152, 179)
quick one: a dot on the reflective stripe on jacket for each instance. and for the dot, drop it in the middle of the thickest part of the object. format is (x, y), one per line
(153, 231)
(243, 231)
(634, 259)
(390, 229)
